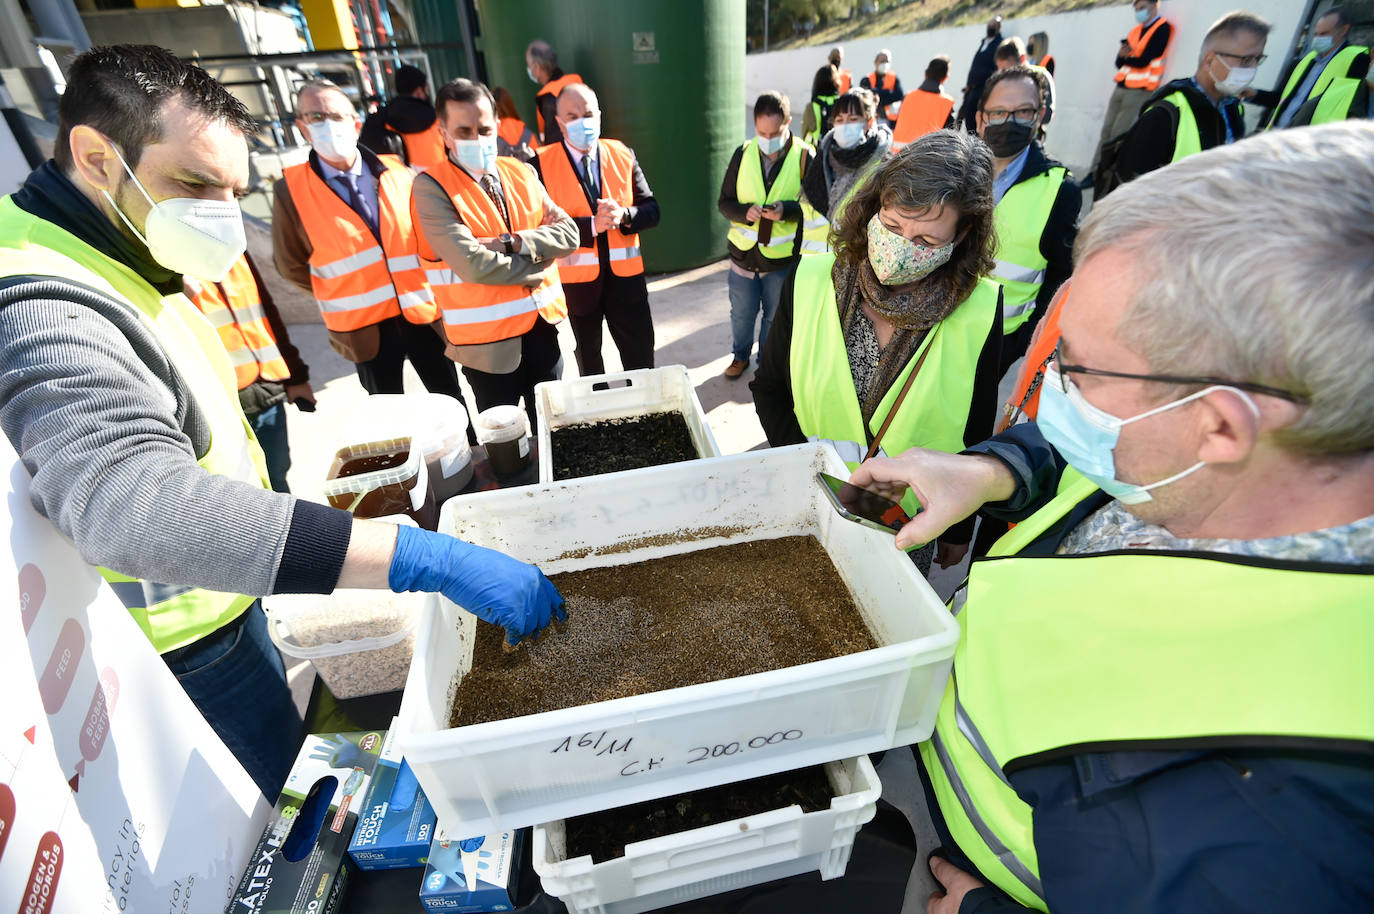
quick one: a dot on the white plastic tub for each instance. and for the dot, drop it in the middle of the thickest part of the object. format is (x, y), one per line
(359, 641)
(541, 767)
(717, 858)
(439, 425)
(650, 390)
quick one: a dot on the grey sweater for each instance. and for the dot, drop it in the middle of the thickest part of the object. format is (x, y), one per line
(110, 433)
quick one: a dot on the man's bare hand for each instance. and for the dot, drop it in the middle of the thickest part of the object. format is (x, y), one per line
(957, 884)
(949, 488)
(755, 213)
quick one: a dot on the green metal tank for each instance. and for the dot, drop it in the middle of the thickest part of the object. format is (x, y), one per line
(670, 77)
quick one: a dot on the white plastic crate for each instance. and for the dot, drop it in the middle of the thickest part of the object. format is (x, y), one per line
(650, 390)
(717, 858)
(552, 765)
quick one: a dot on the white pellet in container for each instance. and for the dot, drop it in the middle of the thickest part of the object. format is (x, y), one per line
(360, 641)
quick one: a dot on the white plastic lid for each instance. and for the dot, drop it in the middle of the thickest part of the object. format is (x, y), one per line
(501, 423)
(438, 422)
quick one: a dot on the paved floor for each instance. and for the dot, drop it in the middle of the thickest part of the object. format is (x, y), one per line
(691, 319)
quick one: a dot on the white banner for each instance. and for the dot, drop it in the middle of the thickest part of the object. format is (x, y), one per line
(115, 794)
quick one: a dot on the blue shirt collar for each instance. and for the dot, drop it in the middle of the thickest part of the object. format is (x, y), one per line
(1007, 179)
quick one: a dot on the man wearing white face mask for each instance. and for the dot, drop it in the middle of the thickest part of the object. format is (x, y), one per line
(599, 183)
(490, 238)
(122, 402)
(1159, 699)
(1199, 112)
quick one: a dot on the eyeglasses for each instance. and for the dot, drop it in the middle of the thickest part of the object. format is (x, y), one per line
(1254, 60)
(319, 117)
(1065, 370)
(997, 116)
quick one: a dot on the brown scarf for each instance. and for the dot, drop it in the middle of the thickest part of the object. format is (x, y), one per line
(913, 309)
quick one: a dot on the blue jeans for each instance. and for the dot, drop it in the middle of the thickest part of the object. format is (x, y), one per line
(749, 295)
(270, 428)
(236, 679)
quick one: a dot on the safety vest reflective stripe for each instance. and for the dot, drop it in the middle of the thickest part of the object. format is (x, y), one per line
(348, 264)
(1004, 854)
(223, 317)
(1150, 76)
(502, 310)
(582, 260)
(358, 302)
(234, 307)
(1010, 272)
(474, 312)
(413, 300)
(31, 246)
(1021, 217)
(1338, 67)
(749, 189)
(851, 452)
(815, 229)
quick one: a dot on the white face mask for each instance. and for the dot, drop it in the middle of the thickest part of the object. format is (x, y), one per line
(849, 134)
(335, 139)
(883, 67)
(199, 238)
(770, 145)
(1237, 80)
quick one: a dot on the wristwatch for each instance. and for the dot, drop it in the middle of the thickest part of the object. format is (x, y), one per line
(507, 242)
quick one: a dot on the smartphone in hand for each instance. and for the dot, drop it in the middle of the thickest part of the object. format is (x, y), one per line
(862, 506)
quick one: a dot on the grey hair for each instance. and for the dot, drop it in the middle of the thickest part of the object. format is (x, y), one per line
(320, 84)
(1247, 268)
(542, 52)
(1232, 22)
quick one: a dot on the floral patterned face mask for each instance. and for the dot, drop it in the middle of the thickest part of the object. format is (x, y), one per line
(897, 261)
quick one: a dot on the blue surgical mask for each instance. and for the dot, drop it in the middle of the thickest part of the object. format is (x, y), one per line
(1322, 43)
(850, 134)
(530, 73)
(1086, 436)
(1142, 16)
(583, 132)
(477, 155)
(770, 145)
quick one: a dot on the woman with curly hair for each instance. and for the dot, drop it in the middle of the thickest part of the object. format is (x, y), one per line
(893, 341)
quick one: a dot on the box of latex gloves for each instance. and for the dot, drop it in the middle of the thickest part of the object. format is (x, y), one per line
(396, 823)
(300, 865)
(473, 875)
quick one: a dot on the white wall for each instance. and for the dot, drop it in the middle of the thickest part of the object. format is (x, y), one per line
(1083, 43)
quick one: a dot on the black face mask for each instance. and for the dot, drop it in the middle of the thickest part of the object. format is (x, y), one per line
(994, 30)
(1008, 139)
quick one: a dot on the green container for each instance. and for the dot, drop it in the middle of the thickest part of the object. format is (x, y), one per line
(436, 21)
(670, 77)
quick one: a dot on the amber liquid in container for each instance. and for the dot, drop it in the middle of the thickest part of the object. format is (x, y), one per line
(394, 492)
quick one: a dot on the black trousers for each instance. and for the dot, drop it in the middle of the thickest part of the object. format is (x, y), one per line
(401, 340)
(540, 361)
(623, 303)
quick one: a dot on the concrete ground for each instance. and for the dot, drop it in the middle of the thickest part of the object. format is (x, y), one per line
(691, 320)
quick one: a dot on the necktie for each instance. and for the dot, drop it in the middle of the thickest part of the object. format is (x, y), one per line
(588, 184)
(493, 189)
(360, 204)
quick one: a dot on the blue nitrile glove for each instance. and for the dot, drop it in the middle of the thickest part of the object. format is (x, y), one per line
(337, 752)
(489, 584)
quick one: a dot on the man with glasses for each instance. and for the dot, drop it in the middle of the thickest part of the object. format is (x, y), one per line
(1160, 699)
(341, 230)
(1036, 202)
(1201, 111)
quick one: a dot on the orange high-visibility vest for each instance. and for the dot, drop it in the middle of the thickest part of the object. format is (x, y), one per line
(1025, 396)
(425, 149)
(617, 164)
(843, 80)
(234, 306)
(477, 312)
(922, 112)
(357, 281)
(511, 129)
(889, 82)
(552, 87)
(1150, 76)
